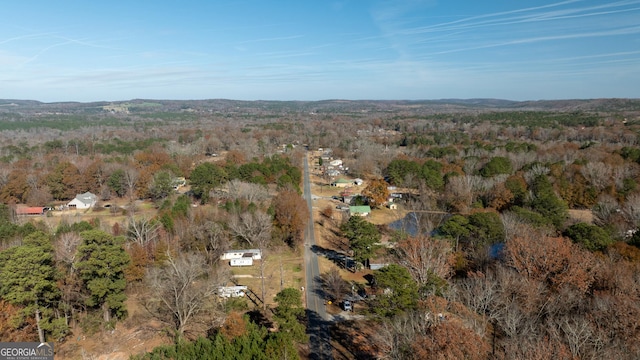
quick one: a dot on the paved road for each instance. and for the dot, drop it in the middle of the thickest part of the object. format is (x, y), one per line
(318, 327)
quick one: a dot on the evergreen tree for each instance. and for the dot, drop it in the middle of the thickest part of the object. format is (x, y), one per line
(497, 165)
(363, 237)
(28, 278)
(400, 290)
(161, 185)
(117, 182)
(546, 202)
(289, 312)
(592, 237)
(101, 264)
(205, 177)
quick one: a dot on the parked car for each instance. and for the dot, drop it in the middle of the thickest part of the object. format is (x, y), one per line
(347, 306)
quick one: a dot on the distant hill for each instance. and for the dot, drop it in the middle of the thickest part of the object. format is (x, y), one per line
(323, 106)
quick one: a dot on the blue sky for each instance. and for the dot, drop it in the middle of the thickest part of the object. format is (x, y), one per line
(314, 50)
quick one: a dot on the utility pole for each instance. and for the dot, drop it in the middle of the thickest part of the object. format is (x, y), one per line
(281, 278)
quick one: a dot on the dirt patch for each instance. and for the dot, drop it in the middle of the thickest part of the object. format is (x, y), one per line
(128, 338)
(581, 215)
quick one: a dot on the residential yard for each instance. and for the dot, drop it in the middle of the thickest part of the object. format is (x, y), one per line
(283, 268)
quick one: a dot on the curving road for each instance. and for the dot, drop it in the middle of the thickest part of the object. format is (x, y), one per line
(318, 326)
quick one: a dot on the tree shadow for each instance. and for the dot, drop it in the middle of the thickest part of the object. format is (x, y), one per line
(342, 260)
(350, 335)
(258, 317)
(319, 337)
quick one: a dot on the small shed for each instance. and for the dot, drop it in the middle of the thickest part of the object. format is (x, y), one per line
(341, 183)
(363, 210)
(30, 210)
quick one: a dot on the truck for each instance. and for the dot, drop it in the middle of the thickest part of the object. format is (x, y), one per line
(232, 291)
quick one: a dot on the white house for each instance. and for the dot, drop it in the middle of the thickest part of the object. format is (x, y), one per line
(83, 201)
(336, 162)
(254, 254)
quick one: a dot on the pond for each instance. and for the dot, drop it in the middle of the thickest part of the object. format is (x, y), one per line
(414, 221)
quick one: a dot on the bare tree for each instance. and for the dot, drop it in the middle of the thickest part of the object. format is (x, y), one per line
(251, 227)
(479, 292)
(142, 230)
(631, 210)
(395, 335)
(598, 174)
(535, 171)
(253, 193)
(459, 191)
(334, 284)
(4, 175)
(578, 333)
(131, 176)
(212, 237)
(425, 257)
(181, 290)
(65, 249)
(605, 210)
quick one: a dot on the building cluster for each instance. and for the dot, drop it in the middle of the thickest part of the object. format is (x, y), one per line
(329, 166)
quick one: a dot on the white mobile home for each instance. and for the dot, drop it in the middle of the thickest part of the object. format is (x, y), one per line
(254, 254)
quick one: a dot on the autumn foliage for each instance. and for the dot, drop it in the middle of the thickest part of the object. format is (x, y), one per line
(377, 192)
(450, 340)
(555, 261)
(291, 215)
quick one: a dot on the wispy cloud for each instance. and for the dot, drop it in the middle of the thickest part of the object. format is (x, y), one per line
(272, 39)
(520, 41)
(525, 15)
(504, 25)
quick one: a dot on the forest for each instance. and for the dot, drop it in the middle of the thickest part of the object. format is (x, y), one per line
(524, 245)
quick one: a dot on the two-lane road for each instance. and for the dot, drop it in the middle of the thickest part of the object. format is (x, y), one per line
(318, 327)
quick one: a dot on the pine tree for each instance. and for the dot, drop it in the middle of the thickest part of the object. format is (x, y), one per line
(101, 264)
(28, 278)
(289, 312)
(363, 237)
